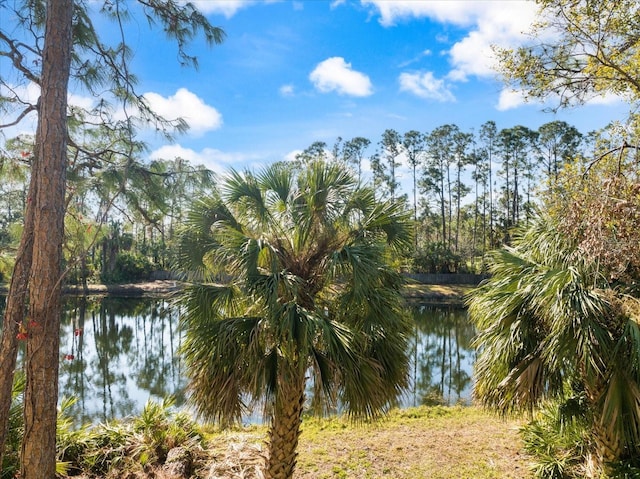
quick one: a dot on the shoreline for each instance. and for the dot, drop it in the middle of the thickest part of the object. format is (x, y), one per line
(415, 293)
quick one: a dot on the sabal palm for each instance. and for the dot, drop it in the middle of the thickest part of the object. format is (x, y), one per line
(549, 324)
(309, 293)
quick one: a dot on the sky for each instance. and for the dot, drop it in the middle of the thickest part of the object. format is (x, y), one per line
(290, 73)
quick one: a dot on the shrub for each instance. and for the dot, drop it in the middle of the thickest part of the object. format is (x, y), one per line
(128, 267)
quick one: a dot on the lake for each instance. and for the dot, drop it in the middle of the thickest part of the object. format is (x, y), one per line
(118, 353)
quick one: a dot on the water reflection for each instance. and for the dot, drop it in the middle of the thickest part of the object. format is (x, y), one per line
(118, 353)
(442, 357)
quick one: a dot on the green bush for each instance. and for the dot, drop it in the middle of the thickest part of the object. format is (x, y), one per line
(559, 440)
(436, 258)
(129, 267)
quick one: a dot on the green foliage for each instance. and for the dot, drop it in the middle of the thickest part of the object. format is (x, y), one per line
(436, 258)
(129, 267)
(549, 324)
(137, 444)
(10, 464)
(558, 440)
(310, 294)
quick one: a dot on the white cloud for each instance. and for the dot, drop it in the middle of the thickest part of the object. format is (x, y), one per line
(84, 102)
(334, 74)
(459, 12)
(286, 90)
(509, 99)
(425, 85)
(291, 156)
(215, 160)
(490, 22)
(228, 8)
(184, 104)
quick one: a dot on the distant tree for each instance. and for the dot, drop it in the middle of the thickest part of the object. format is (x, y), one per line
(337, 151)
(316, 151)
(380, 176)
(436, 178)
(489, 138)
(558, 143)
(390, 149)
(480, 177)
(354, 153)
(515, 146)
(413, 144)
(311, 295)
(461, 142)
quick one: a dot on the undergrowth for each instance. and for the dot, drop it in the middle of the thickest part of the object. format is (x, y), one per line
(559, 441)
(115, 449)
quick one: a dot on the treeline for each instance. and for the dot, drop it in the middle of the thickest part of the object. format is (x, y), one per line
(467, 191)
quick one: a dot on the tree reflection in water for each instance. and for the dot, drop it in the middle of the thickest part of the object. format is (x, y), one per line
(123, 353)
(442, 357)
(118, 353)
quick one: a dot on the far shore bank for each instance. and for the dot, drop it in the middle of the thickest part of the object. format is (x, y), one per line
(416, 293)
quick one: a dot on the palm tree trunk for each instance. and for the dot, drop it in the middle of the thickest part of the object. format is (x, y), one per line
(608, 446)
(285, 425)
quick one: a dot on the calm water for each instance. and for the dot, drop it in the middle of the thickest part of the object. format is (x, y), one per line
(118, 353)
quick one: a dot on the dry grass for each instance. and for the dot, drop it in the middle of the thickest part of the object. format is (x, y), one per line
(421, 443)
(447, 293)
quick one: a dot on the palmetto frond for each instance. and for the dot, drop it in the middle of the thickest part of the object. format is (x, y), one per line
(547, 321)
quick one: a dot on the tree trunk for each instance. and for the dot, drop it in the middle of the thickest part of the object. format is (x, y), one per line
(45, 282)
(285, 425)
(14, 315)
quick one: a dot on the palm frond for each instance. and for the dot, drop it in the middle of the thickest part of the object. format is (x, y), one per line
(306, 251)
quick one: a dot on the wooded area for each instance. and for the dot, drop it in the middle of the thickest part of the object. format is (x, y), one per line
(314, 246)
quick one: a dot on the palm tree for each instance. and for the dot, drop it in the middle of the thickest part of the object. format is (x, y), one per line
(550, 325)
(310, 297)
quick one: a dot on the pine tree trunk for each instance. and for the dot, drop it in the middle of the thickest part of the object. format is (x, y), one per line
(285, 425)
(42, 352)
(14, 314)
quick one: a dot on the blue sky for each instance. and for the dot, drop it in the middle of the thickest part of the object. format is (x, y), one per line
(293, 72)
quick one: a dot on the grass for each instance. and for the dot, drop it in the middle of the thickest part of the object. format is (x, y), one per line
(418, 443)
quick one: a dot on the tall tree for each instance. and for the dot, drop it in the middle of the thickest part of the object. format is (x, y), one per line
(354, 152)
(437, 174)
(64, 44)
(558, 142)
(489, 136)
(310, 295)
(45, 278)
(316, 151)
(461, 141)
(515, 145)
(413, 144)
(578, 50)
(390, 149)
